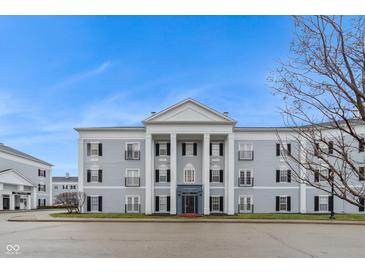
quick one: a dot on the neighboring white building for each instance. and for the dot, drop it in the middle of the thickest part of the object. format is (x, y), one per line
(190, 158)
(24, 180)
(63, 184)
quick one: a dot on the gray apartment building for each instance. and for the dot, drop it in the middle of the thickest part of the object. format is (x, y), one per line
(192, 159)
(24, 180)
(63, 184)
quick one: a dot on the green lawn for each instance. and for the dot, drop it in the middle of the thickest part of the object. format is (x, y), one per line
(339, 217)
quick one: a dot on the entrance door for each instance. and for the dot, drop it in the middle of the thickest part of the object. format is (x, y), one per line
(190, 203)
(6, 202)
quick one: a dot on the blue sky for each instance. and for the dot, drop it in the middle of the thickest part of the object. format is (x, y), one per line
(57, 73)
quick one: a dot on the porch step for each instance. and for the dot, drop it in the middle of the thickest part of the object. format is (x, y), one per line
(190, 215)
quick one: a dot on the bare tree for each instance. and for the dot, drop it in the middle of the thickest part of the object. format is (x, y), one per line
(323, 86)
(81, 199)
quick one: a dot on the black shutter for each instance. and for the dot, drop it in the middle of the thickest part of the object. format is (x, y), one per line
(157, 146)
(277, 203)
(316, 203)
(277, 149)
(168, 203)
(289, 175)
(88, 203)
(221, 175)
(100, 176)
(210, 149)
(157, 175)
(195, 149)
(361, 145)
(100, 203)
(39, 202)
(210, 203)
(157, 203)
(45, 174)
(221, 149)
(100, 149)
(330, 203)
(183, 149)
(330, 147)
(361, 173)
(39, 172)
(88, 175)
(221, 203)
(361, 208)
(88, 149)
(288, 203)
(289, 149)
(168, 149)
(316, 176)
(168, 175)
(210, 175)
(278, 176)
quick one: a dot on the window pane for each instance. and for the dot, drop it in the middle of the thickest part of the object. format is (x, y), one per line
(215, 149)
(189, 149)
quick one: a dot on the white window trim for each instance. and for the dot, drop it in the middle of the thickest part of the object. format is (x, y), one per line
(126, 202)
(216, 168)
(189, 167)
(284, 196)
(162, 167)
(189, 143)
(133, 169)
(159, 206)
(217, 144)
(133, 143)
(91, 155)
(159, 152)
(219, 203)
(245, 171)
(91, 170)
(93, 196)
(239, 202)
(319, 204)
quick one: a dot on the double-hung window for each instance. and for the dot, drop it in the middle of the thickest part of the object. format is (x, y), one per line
(94, 203)
(163, 149)
(216, 178)
(215, 203)
(42, 173)
(283, 203)
(163, 174)
(163, 203)
(94, 176)
(215, 149)
(94, 149)
(189, 149)
(189, 174)
(323, 203)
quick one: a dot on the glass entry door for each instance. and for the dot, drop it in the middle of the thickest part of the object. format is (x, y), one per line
(190, 204)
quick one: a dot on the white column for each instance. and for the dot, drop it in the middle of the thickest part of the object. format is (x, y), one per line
(34, 197)
(231, 177)
(50, 188)
(206, 166)
(29, 202)
(81, 166)
(148, 175)
(303, 187)
(12, 201)
(1, 196)
(153, 153)
(173, 179)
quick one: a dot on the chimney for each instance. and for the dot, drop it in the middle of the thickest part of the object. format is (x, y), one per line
(153, 113)
(67, 174)
(225, 113)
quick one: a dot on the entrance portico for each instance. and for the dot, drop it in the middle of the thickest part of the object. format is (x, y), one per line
(185, 123)
(15, 191)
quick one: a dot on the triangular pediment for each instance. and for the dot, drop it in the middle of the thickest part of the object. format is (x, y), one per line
(13, 177)
(189, 111)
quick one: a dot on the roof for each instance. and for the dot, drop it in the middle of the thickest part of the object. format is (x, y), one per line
(12, 151)
(63, 179)
(189, 100)
(14, 177)
(110, 128)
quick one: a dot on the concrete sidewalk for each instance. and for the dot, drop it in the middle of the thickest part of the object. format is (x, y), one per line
(47, 218)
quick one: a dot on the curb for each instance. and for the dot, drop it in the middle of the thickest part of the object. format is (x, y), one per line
(221, 221)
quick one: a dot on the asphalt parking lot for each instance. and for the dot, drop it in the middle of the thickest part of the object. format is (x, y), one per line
(201, 240)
